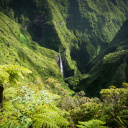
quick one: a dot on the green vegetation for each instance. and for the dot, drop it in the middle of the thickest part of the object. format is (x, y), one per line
(28, 105)
(74, 81)
(109, 67)
(10, 73)
(91, 124)
(47, 104)
(110, 110)
(16, 44)
(91, 37)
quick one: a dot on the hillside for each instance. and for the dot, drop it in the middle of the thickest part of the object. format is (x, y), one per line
(18, 48)
(25, 100)
(79, 29)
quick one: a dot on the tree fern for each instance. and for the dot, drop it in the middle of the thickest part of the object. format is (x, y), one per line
(14, 71)
(10, 73)
(49, 120)
(50, 116)
(44, 121)
(4, 76)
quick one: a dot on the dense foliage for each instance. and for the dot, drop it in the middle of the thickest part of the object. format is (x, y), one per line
(47, 104)
(26, 104)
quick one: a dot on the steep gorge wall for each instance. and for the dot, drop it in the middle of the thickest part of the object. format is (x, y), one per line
(83, 28)
(95, 24)
(110, 67)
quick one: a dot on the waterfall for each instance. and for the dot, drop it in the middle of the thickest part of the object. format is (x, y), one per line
(61, 65)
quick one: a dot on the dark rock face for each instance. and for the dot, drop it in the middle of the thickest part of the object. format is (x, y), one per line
(66, 69)
(39, 19)
(37, 28)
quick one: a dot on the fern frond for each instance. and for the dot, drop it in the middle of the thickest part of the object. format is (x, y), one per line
(10, 93)
(10, 73)
(50, 115)
(92, 124)
(16, 69)
(43, 120)
(4, 77)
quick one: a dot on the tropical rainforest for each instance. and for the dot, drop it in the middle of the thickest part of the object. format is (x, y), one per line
(63, 63)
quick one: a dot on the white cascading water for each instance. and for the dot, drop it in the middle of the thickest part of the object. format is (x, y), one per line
(61, 65)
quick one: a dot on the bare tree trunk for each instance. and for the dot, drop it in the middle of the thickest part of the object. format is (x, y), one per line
(1, 96)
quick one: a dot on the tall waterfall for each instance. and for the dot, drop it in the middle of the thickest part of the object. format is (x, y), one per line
(61, 65)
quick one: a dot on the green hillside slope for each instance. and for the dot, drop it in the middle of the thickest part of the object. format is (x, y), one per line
(16, 45)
